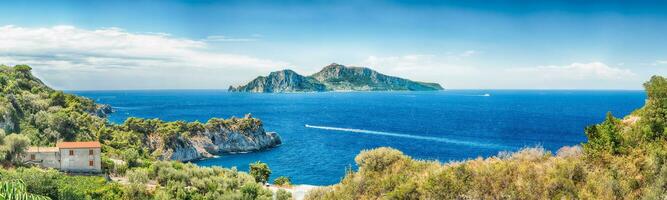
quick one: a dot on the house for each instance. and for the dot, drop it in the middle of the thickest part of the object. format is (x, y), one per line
(68, 156)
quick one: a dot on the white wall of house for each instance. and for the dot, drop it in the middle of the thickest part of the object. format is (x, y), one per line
(46, 159)
(81, 159)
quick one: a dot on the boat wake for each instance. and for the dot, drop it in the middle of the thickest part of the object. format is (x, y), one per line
(436, 139)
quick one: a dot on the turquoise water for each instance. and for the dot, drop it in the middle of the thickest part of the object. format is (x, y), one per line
(323, 132)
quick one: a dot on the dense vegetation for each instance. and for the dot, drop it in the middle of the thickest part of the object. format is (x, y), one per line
(623, 159)
(31, 113)
(30, 108)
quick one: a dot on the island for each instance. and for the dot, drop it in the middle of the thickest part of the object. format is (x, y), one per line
(334, 77)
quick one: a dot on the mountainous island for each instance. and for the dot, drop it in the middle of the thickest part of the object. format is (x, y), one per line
(334, 77)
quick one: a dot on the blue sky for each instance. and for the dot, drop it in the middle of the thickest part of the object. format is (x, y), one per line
(460, 44)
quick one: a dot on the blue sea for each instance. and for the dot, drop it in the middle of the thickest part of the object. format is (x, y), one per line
(323, 132)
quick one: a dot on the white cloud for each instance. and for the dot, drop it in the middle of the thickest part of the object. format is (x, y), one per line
(222, 38)
(444, 69)
(468, 53)
(577, 71)
(454, 71)
(55, 52)
(659, 62)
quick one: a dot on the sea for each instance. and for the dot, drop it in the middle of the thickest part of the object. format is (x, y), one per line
(323, 132)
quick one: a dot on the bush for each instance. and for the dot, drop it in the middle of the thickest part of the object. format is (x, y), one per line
(255, 191)
(17, 190)
(378, 159)
(137, 175)
(22, 68)
(260, 171)
(283, 195)
(282, 181)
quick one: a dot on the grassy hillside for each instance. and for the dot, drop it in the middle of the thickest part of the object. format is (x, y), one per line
(31, 113)
(623, 159)
(45, 116)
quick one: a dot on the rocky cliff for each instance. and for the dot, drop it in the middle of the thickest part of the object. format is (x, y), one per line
(340, 77)
(217, 136)
(334, 77)
(281, 81)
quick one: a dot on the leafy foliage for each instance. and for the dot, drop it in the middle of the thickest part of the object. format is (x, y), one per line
(282, 181)
(282, 194)
(260, 171)
(57, 185)
(16, 190)
(623, 159)
(12, 148)
(33, 114)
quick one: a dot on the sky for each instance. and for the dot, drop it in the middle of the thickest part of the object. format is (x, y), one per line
(117, 45)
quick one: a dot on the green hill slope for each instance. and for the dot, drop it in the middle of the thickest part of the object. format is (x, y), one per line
(28, 107)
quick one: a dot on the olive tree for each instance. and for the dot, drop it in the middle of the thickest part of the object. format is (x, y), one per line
(260, 171)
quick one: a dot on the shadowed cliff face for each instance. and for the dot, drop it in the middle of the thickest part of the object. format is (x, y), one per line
(281, 81)
(216, 137)
(334, 77)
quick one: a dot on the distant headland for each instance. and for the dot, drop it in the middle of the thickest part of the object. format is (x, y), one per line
(334, 77)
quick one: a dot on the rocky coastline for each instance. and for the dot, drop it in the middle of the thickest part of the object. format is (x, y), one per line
(219, 136)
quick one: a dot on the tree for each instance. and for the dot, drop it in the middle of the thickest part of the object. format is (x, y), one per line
(282, 181)
(22, 68)
(260, 171)
(14, 146)
(58, 99)
(655, 110)
(3, 152)
(604, 137)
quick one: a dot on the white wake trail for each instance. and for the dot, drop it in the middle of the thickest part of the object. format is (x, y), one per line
(437, 139)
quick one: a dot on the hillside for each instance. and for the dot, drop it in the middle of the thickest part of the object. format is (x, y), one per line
(622, 159)
(334, 77)
(30, 108)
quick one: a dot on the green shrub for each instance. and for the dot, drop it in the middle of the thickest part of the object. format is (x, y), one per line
(283, 195)
(282, 181)
(260, 171)
(622, 159)
(17, 190)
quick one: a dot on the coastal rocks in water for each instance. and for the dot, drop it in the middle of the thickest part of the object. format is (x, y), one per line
(103, 110)
(217, 136)
(334, 77)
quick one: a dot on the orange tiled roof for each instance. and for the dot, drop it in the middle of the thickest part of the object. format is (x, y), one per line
(76, 145)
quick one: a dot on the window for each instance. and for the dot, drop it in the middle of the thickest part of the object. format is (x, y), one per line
(71, 152)
(90, 163)
(32, 156)
(90, 152)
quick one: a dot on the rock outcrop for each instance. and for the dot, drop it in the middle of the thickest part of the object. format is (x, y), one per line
(281, 81)
(334, 77)
(218, 136)
(103, 110)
